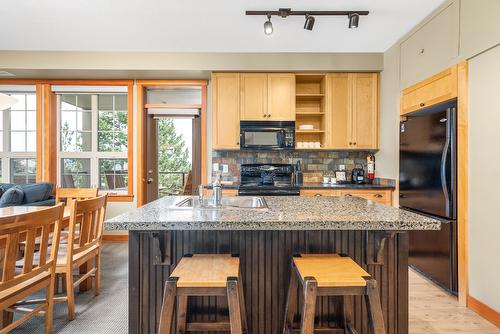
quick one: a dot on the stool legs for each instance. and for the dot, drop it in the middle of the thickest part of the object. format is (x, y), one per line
(233, 299)
(309, 306)
(242, 305)
(167, 309)
(181, 314)
(236, 303)
(374, 307)
(291, 304)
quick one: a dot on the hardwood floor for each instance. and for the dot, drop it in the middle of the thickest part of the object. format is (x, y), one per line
(433, 311)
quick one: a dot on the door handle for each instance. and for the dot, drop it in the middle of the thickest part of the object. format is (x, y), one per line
(377, 196)
(150, 180)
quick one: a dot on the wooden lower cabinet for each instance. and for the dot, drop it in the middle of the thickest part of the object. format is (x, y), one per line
(380, 196)
(229, 192)
(319, 192)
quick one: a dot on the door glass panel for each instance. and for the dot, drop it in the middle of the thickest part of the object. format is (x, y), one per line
(175, 154)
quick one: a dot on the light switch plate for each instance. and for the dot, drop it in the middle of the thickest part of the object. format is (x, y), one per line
(225, 168)
(215, 167)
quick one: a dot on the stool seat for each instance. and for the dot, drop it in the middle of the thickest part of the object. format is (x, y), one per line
(206, 270)
(330, 270)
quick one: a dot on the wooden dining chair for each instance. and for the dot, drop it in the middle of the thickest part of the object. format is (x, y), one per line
(37, 272)
(87, 217)
(65, 194)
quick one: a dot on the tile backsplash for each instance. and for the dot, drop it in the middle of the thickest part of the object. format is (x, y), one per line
(312, 161)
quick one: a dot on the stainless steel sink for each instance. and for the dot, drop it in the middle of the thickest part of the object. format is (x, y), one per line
(239, 202)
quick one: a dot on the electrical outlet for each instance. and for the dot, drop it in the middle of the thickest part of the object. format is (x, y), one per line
(225, 168)
(342, 167)
(215, 167)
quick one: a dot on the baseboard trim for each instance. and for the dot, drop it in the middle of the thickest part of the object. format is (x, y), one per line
(115, 237)
(484, 311)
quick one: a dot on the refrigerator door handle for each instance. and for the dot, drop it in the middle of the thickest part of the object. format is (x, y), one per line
(444, 156)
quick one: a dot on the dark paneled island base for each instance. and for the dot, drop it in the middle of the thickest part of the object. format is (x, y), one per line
(265, 265)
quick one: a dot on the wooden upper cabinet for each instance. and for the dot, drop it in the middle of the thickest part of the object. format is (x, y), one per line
(226, 110)
(339, 116)
(436, 89)
(281, 96)
(352, 111)
(365, 111)
(253, 103)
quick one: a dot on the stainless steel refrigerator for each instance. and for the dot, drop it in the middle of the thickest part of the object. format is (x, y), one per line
(428, 185)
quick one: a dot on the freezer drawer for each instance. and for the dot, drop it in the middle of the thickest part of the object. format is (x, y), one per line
(433, 253)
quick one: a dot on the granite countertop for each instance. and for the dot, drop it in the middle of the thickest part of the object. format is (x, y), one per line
(345, 186)
(284, 213)
(322, 186)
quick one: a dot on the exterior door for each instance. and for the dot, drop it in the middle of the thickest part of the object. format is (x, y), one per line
(152, 161)
(281, 96)
(253, 103)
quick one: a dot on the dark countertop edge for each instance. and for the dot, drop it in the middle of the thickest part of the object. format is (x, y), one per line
(324, 186)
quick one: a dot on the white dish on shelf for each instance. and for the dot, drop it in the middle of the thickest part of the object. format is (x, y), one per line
(306, 127)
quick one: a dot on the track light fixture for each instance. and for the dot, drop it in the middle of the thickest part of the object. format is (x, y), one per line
(268, 26)
(309, 24)
(353, 20)
(353, 16)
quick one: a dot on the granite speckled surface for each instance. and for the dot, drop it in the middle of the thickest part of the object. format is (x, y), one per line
(323, 186)
(284, 213)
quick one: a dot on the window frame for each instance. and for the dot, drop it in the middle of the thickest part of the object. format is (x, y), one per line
(6, 154)
(94, 155)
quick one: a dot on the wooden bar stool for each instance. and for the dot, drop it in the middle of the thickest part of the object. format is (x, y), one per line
(204, 275)
(331, 275)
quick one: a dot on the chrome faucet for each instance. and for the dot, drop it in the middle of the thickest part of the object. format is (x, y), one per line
(217, 190)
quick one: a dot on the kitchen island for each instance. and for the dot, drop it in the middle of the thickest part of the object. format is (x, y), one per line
(374, 235)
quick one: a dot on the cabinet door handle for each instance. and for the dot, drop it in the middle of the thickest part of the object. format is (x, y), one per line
(422, 104)
(350, 143)
(377, 196)
(237, 143)
(264, 115)
(354, 143)
(348, 195)
(317, 195)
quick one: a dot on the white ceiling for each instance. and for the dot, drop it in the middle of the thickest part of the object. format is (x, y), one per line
(202, 25)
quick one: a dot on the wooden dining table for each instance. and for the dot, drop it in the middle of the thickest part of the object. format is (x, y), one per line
(18, 210)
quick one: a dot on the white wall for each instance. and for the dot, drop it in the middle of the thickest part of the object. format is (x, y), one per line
(484, 178)
(388, 156)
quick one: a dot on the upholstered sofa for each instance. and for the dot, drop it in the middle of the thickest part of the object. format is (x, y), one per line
(36, 194)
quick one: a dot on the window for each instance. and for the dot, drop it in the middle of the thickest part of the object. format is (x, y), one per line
(18, 139)
(93, 141)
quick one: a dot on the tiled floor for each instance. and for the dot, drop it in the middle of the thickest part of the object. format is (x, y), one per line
(433, 311)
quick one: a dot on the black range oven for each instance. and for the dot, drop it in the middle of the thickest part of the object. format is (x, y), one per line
(267, 135)
(268, 180)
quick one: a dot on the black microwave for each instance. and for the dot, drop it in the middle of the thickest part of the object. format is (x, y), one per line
(267, 135)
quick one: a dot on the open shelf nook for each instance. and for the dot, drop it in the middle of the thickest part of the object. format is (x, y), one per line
(310, 109)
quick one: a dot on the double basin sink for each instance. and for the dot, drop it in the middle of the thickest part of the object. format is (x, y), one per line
(240, 202)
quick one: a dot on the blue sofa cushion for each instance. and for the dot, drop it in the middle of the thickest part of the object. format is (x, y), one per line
(13, 196)
(36, 192)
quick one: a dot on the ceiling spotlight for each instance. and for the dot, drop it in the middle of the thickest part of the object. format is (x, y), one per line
(353, 20)
(268, 26)
(309, 24)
